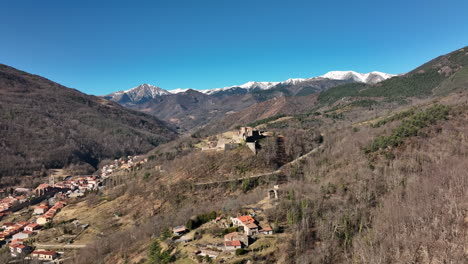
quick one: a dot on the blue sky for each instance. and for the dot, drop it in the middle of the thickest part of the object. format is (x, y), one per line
(103, 47)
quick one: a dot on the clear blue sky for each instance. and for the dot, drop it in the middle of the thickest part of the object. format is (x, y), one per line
(103, 47)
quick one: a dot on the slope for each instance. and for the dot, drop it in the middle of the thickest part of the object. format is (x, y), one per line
(427, 80)
(46, 125)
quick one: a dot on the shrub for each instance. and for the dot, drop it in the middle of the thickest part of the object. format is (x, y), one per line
(240, 251)
(409, 127)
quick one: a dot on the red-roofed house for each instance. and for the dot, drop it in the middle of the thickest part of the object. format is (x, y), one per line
(236, 236)
(7, 226)
(17, 241)
(266, 230)
(246, 221)
(41, 209)
(19, 249)
(232, 245)
(31, 227)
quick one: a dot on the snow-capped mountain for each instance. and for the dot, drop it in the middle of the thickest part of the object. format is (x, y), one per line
(179, 90)
(246, 86)
(137, 94)
(147, 92)
(371, 77)
(351, 76)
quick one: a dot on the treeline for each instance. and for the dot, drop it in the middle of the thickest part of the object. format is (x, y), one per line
(409, 127)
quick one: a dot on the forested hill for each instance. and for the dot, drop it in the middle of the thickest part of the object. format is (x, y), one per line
(46, 125)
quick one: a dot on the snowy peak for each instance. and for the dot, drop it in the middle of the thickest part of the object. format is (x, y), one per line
(179, 90)
(137, 94)
(371, 78)
(246, 86)
(259, 85)
(147, 90)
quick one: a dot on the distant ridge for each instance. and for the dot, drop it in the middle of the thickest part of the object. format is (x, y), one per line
(145, 92)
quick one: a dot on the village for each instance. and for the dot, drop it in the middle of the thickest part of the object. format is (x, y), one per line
(25, 213)
(37, 208)
(217, 236)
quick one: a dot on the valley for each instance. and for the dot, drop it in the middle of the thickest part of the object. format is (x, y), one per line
(341, 168)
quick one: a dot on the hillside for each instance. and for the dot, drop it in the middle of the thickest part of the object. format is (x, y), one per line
(276, 107)
(441, 75)
(46, 125)
(386, 186)
(191, 109)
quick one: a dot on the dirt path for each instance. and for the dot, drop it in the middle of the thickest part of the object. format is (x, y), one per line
(260, 175)
(59, 246)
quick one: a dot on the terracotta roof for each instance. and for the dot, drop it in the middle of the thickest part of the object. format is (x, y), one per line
(14, 245)
(233, 243)
(246, 219)
(33, 225)
(17, 241)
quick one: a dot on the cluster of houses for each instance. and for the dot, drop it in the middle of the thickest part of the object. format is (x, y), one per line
(20, 230)
(47, 216)
(7, 203)
(18, 248)
(121, 164)
(17, 233)
(76, 187)
(248, 228)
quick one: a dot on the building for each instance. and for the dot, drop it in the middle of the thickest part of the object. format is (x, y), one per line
(209, 253)
(244, 239)
(232, 245)
(266, 230)
(19, 249)
(7, 226)
(43, 189)
(41, 209)
(247, 222)
(179, 230)
(23, 235)
(17, 241)
(43, 220)
(31, 227)
(44, 255)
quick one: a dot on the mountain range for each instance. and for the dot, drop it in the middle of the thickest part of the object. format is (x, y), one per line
(191, 109)
(145, 92)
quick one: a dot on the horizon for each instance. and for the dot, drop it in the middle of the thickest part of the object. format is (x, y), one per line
(99, 49)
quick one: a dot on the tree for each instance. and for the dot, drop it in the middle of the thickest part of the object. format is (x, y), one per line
(157, 256)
